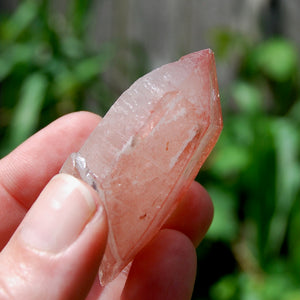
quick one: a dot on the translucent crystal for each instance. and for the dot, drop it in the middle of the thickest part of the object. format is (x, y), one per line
(146, 151)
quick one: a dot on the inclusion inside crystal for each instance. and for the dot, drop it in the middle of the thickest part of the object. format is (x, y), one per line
(146, 151)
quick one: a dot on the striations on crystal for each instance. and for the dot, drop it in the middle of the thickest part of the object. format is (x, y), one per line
(146, 151)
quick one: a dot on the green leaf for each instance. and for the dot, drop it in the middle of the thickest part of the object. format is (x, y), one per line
(5, 67)
(231, 155)
(79, 14)
(247, 96)
(277, 58)
(72, 47)
(286, 138)
(68, 81)
(21, 19)
(225, 224)
(294, 113)
(294, 240)
(292, 295)
(225, 289)
(260, 180)
(14, 55)
(226, 42)
(88, 68)
(27, 111)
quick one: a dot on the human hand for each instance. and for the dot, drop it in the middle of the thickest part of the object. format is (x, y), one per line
(53, 235)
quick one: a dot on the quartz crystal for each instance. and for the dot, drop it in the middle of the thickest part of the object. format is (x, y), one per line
(146, 151)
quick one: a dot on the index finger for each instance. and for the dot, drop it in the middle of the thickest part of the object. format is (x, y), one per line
(26, 170)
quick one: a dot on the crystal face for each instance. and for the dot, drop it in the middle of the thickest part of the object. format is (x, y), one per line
(146, 151)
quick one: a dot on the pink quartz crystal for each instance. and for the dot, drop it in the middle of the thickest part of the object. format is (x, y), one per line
(146, 151)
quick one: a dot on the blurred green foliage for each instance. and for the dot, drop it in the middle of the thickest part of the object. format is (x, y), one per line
(48, 67)
(253, 175)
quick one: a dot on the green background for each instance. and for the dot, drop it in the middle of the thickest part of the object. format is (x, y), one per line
(252, 250)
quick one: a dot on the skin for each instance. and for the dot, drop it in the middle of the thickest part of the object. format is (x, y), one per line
(164, 269)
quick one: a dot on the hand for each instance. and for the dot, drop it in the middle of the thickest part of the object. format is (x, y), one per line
(53, 235)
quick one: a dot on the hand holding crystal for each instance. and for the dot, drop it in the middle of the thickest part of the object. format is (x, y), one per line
(53, 231)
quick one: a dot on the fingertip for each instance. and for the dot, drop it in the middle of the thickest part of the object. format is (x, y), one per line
(51, 145)
(82, 121)
(164, 269)
(202, 201)
(193, 214)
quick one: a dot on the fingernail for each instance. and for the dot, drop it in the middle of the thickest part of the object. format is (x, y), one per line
(59, 215)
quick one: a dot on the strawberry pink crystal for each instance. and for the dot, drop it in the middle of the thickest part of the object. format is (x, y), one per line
(146, 151)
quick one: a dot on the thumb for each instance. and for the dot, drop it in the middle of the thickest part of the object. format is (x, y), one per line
(56, 251)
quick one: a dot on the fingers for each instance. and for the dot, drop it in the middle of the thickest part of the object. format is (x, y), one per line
(56, 251)
(193, 215)
(25, 171)
(164, 269)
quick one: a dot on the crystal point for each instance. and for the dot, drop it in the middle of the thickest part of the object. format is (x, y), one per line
(146, 151)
